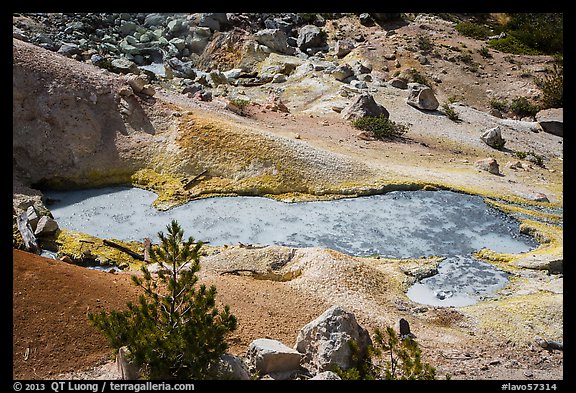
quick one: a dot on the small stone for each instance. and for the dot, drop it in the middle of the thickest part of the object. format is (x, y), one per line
(488, 164)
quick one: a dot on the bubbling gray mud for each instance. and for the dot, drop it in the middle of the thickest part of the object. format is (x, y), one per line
(401, 224)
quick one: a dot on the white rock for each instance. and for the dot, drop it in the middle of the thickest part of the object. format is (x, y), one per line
(269, 356)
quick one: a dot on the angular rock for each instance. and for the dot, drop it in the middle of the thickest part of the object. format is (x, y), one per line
(213, 20)
(148, 90)
(152, 20)
(342, 72)
(399, 83)
(269, 356)
(232, 367)
(33, 218)
(404, 328)
(46, 226)
(324, 342)
(124, 66)
(551, 121)
(361, 68)
(127, 27)
(309, 36)
(180, 69)
(363, 105)
(343, 47)
(179, 43)
(493, 138)
(489, 165)
(137, 82)
(68, 49)
(198, 39)
(366, 19)
(274, 39)
(422, 97)
(28, 237)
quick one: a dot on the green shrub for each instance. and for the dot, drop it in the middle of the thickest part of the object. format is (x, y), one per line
(473, 30)
(241, 104)
(466, 58)
(403, 359)
(511, 44)
(522, 107)
(552, 86)
(530, 156)
(175, 331)
(501, 105)
(455, 98)
(380, 126)
(484, 52)
(450, 112)
(424, 43)
(542, 32)
(413, 75)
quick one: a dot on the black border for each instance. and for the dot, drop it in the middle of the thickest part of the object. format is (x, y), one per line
(344, 7)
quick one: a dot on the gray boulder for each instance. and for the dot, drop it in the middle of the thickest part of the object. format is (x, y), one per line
(363, 105)
(399, 83)
(342, 72)
(270, 356)
(124, 66)
(69, 49)
(422, 97)
(232, 367)
(152, 20)
(343, 47)
(310, 36)
(33, 218)
(275, 39)
(324, 342)
(46, 226)
(198, 39)
(493, 138)
(551, 121)
(180, 69)
(213, 20)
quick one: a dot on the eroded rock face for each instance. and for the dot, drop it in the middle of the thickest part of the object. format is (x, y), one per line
(551, 263)
(68, 125)
(324, 342)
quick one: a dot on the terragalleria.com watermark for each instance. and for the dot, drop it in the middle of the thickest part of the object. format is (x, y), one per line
(100, 387)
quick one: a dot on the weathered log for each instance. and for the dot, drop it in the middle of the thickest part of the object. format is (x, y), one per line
(133, 254)
(25, 230)
(238, 272)
(189, 183)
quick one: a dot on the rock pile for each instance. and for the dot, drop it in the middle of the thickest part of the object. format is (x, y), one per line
(321, 346)
(189, 46)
